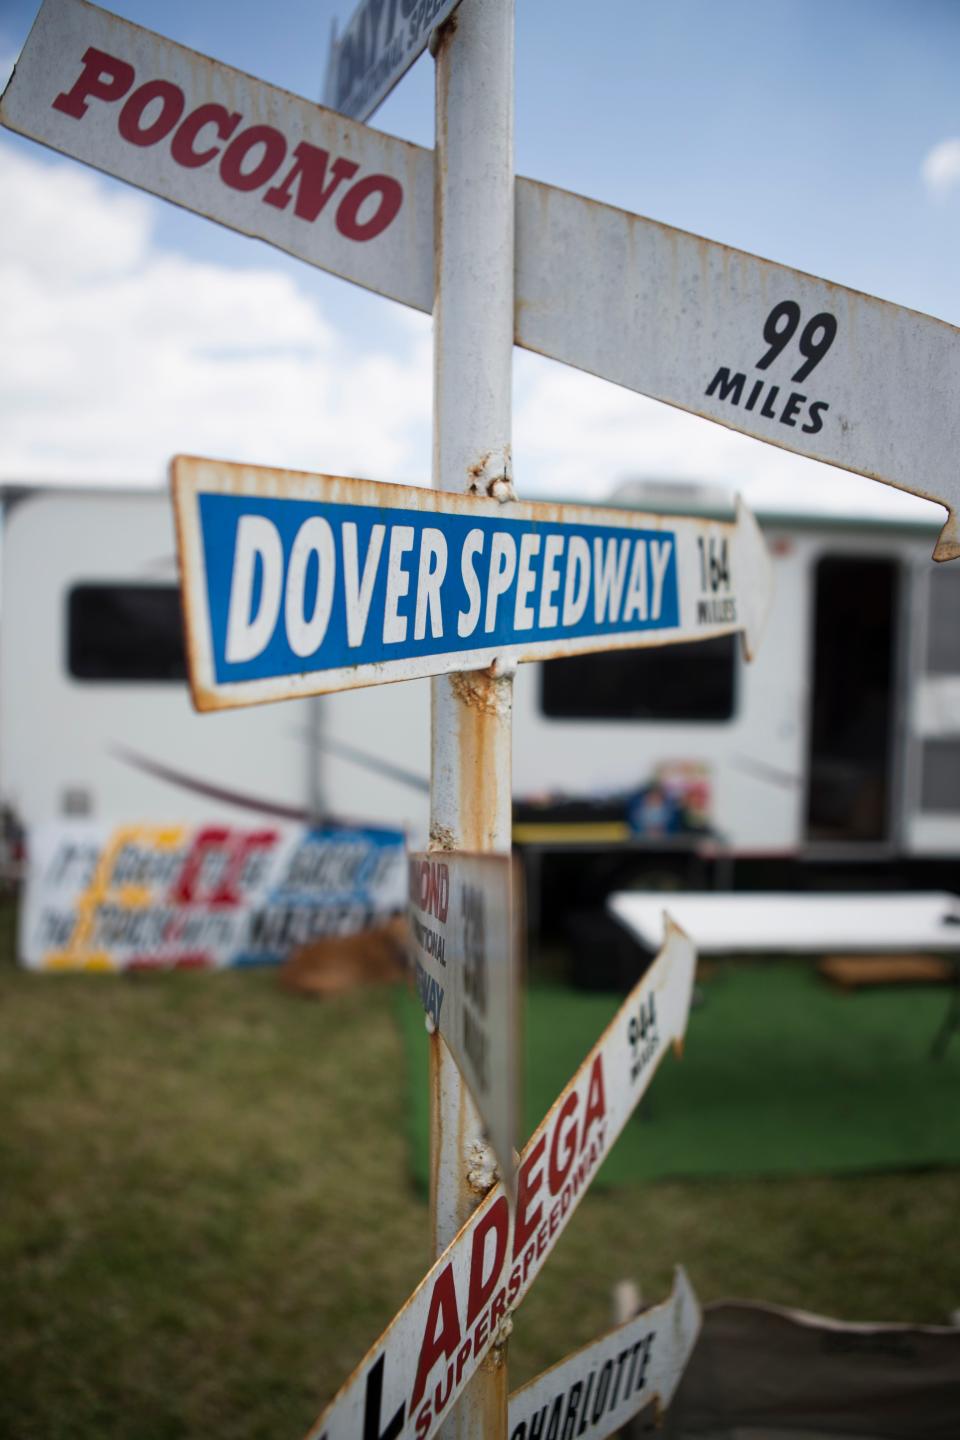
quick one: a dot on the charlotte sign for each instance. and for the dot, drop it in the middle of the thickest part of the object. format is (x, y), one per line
(410, 1380)
(462, 942)
(792, 360)
(597, 1390)
(376, 50)
(303, 584)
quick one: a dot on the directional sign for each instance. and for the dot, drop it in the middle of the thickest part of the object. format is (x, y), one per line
(410, 1380)
(795, 361)
(377, 48)
(462, 924)
(248, 155)
(812, 367)
(597, 1390)
(304, 584)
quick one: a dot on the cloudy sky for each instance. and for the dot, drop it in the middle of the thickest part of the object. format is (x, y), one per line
(825, 135)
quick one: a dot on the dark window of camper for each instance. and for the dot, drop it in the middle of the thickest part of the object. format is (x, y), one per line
(665, 682)
(943, 632)
(940, 786)
(125, 632)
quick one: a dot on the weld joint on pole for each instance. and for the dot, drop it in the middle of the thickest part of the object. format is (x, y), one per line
(501, 488)
(482, 1171)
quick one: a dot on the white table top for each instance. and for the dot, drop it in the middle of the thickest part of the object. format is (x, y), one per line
(733, 923)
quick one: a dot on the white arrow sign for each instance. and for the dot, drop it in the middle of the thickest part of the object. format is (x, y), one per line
(595, 1391)
(377, 48)
(410, 1380)
(812, 367)
(462, 937)
(305, 584)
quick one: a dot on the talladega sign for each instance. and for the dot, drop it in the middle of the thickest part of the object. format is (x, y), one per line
(411, 1379)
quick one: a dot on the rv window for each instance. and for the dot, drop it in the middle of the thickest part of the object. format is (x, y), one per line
(665, 682)
(943, 638)
(125, 632)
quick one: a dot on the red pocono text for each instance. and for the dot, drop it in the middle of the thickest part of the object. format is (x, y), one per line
(249, 157)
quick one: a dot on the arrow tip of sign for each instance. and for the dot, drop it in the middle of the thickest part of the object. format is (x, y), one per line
(680, 947)
(948, 542)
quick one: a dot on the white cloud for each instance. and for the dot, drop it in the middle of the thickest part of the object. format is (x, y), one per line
(941, 167)
(117, 354)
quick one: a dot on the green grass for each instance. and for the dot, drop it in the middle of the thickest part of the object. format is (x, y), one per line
(207, 1216)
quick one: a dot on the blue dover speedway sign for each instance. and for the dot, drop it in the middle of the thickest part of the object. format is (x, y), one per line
(304, 584)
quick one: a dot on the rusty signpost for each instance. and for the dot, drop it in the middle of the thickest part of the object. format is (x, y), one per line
(299, 584)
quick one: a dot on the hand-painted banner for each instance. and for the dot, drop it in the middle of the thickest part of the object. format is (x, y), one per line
(598, 1389)
(185, 896)
(304, 584)
(377, 48)
(795, 361)
(410, 1380)
(463, 947)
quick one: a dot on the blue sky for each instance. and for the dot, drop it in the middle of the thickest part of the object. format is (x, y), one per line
(816, 134)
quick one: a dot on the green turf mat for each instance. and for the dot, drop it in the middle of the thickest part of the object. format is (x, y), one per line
(782, 1075)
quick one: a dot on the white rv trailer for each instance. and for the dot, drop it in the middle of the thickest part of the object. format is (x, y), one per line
(841, 741)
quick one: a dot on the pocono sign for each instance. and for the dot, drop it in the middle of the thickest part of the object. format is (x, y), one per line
(304, 584)
(597, 1390)
(464, 920)
(412, 1377)
(800, 363)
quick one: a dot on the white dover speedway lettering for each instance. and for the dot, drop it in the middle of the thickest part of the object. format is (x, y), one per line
(298, 584)
(412, 1377)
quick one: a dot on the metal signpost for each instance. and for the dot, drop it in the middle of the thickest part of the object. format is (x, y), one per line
(801, 363)
(413, 582)
(299, 585)
(597, 1390)
(409, 1381)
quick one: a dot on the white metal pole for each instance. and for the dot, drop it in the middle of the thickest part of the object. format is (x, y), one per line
(472, 713)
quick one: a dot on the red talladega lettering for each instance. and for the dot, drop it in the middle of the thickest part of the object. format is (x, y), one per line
(253, 156)
(456, 1332)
